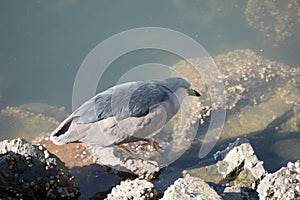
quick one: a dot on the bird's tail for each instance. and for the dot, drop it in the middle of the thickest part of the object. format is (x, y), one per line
(65, 133)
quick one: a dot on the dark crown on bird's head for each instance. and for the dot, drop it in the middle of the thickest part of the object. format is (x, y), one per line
(174, 83)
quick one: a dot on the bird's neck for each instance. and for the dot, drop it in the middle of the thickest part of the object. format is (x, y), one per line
(180, 95)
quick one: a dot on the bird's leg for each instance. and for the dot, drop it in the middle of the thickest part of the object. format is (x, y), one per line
(124, 149)
(152, 143)
(149, 142)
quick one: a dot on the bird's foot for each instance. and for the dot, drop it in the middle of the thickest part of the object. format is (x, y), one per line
(143, 151)
(154, 145)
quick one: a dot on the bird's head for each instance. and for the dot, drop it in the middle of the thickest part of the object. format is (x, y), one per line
(181, 87)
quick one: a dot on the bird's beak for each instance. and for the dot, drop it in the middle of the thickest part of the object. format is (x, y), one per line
(192, 92)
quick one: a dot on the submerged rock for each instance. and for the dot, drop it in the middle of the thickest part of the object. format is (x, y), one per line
(254, 85)
(33, 118)
(283, 184)
(277, 20)
(30, 172)
(133, 189)
(190, 188)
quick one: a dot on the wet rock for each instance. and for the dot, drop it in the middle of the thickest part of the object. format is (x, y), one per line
(238, 163)
(283, 184)
(133, 189)
(33, 118)
(190, 188)
(30, 171)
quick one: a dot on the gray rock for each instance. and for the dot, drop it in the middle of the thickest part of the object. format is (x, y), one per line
(238, 163)
(133, 189)
(143, 168)
(30, 171)
(283, 184)
(190, 188)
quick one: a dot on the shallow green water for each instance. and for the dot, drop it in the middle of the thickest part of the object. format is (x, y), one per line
(43, 44)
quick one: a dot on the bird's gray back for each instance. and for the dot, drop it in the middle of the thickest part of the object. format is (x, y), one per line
(133, 99)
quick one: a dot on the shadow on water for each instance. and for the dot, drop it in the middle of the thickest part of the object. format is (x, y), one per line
(94, 180)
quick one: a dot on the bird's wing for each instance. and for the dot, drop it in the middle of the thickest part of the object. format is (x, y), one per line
(109, 132)
(122, 101)
(135, 99)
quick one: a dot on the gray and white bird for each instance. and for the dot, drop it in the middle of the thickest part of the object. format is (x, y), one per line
(124, 113)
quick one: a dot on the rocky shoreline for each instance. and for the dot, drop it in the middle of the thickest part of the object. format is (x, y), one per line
(32, 171)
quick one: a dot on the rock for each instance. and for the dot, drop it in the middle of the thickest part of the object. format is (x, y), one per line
(120, 161)
(235, 192)
(283, 184)
(208, 173)
(190, 188)
(30, 172)
(238, 163)
(133, 189)
(72, 154)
